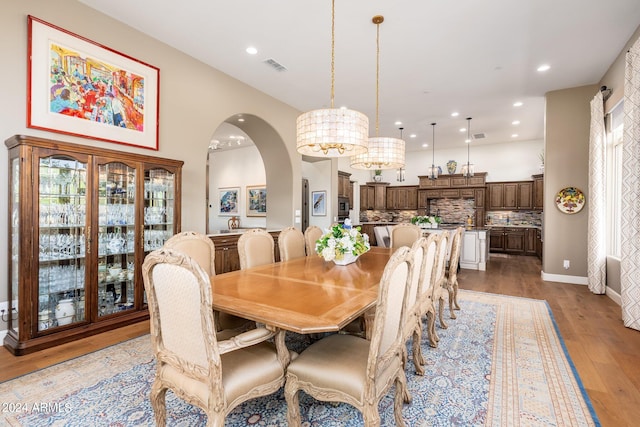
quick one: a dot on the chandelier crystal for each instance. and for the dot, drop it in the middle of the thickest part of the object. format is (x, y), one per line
(384, 152)
(332, 132)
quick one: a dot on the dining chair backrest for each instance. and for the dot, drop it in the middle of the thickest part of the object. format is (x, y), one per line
(454, 255)
(404, 234)
(255, 247)
(311, 235)
(441, 260)
(189, 357)
(382, 236)
(387, 325)
(197, 246)
(291, 244)
(428, 274)
(417, 254)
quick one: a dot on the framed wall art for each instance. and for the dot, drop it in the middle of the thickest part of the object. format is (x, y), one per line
(318, 203)
(78, 87)
(256, 200)
(228, 201)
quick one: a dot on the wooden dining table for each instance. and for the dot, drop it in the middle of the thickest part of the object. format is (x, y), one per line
(305, 295)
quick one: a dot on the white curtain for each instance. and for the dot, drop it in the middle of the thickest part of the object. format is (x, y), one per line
(596, 245)
(630, 262)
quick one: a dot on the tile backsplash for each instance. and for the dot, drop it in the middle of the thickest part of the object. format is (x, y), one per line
(533, 218)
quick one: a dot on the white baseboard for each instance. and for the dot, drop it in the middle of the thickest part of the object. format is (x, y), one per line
(562, 278)
(613, 295)
(3, 334)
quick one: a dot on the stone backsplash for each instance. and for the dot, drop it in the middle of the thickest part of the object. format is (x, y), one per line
(506, 218)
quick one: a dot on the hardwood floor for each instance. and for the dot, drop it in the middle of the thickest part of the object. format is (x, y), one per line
(605, 353)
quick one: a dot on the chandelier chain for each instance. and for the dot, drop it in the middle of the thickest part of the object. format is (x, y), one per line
(333, 50)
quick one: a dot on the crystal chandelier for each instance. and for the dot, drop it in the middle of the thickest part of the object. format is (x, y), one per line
(332, 132)
(467, 169)
(384, 152)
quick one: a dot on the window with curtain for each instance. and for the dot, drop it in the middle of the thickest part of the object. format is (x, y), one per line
(615, 121)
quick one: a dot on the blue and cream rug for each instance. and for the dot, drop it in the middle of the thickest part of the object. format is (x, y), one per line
(501, 362)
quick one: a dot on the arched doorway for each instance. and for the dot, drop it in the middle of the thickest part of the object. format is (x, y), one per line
(282, 189)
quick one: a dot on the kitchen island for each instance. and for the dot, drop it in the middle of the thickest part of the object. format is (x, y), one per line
(474, 251)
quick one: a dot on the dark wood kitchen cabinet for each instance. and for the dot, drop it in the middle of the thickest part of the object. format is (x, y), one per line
(344, 184)
(538, 192)
(530, 241)
(405, 197)
(373, 195)
(510, 195)
(496, 239)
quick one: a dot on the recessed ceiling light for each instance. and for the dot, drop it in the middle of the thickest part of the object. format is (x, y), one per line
(398, 123)
(425, 145)
(468, 141)
(515, 122)
(251, 50)
(455, 114)
(544, 67)
(463, 129)
(517, 104)
(413, 135)
(515, 135)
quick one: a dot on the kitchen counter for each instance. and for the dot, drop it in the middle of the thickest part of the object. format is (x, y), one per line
(490, 226)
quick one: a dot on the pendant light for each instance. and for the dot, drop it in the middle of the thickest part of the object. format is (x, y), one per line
(467, 169)
(400, 172)
(332, 132)
(384, 152)
(433, 174)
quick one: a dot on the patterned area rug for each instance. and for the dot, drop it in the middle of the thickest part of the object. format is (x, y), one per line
(501, 362)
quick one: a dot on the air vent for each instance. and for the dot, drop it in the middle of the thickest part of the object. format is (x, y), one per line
(478, 135)
(275, 65)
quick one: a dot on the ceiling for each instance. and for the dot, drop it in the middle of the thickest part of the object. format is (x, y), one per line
(474, 57)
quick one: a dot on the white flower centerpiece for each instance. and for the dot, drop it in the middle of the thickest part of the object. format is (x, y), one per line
(342, 244)
(426, 221)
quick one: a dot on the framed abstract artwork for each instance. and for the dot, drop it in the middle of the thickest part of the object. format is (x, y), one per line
(318, 203)
(256, 200)
(228, 201)
(78, 87)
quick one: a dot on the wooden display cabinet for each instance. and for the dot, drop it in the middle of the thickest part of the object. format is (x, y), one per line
(82, 221)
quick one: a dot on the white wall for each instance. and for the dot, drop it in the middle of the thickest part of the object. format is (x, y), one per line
(508, 161)
(320, 179)
(235, 168)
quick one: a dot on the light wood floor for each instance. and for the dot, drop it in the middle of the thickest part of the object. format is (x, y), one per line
(605, 353)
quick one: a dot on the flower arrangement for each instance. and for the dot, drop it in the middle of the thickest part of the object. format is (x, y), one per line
(426, 220)
(341, 240)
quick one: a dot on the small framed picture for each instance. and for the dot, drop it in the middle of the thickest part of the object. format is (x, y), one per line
(228, 201)
(318, 203)
(256, 200)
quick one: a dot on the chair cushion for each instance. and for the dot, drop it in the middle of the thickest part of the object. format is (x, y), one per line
(339, 362)
(242, 371)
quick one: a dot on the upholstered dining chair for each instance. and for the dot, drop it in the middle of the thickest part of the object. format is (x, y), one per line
(311, 235)
(424, 305)
(404, 234)
(255, 247)
(198, 365)
(203, 251)
(411, 321)
(347, 368)
(291, 244)
(452, 271)
(440, 288)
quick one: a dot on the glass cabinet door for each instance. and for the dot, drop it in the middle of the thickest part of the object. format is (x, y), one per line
(116, 238)
(14, 266)
(158, 208)
(62, 213)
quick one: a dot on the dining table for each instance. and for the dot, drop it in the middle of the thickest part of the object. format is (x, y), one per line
(305, 295)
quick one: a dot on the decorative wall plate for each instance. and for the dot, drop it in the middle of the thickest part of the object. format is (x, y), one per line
(570, 200)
